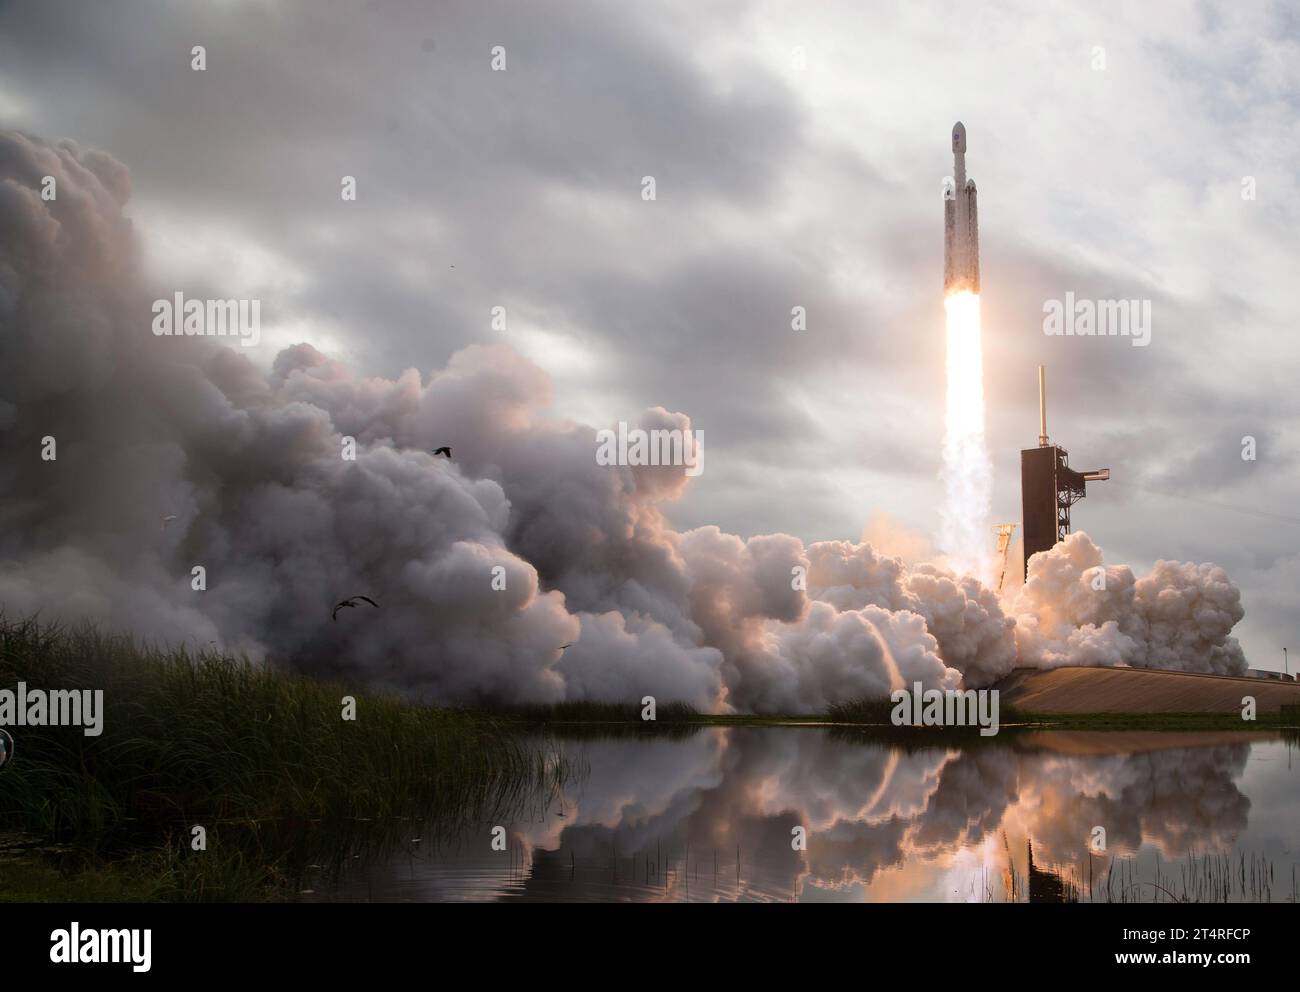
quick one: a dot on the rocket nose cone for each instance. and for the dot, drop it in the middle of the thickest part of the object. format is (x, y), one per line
(959, 137)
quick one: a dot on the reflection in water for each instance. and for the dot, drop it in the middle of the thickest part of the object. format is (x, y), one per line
(713, 817)
(1046, 885)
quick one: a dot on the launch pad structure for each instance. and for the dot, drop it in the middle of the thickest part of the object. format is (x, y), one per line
(1048, 486)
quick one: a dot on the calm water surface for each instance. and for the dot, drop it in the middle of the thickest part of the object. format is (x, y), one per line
(712, 817)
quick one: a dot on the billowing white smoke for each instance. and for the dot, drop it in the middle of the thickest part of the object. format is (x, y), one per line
(1074, 610)
(865, 624)
(251, 464)
(965, 617)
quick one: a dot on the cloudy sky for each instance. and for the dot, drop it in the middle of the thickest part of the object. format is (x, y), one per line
(798, 152)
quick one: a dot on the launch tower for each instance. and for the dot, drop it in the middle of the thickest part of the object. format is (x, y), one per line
(1048, 486)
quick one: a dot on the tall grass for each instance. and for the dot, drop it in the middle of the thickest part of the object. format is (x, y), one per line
(262, 759)
(1197, 878)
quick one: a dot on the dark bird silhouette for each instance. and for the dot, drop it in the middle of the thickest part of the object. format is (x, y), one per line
(563, 646)
(444, 450)
(348, 603)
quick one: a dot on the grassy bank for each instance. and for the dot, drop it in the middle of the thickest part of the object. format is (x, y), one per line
(873, 716)
(1157, 721)
(868, 716)
(262, 760)
(597, 719)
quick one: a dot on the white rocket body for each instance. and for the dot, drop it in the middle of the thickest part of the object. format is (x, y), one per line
(961, 234)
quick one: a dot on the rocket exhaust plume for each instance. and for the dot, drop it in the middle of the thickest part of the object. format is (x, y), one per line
(967, 470)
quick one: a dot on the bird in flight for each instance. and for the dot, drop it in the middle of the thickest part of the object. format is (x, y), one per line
(563, 646)
(167, 519)
(348, 603)
(444, 450)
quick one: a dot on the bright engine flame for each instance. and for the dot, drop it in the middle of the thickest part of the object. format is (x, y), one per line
(967, 471)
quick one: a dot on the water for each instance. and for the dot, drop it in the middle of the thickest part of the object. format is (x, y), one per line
(712, 817)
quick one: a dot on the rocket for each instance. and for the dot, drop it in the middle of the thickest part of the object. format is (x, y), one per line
(961, 233)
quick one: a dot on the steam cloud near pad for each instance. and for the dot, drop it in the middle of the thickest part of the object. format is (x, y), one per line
(250, 464)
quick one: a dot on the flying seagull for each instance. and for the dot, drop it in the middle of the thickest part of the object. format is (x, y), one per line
(350, 602)
(168, 519)
(563, 646)
(444, 450)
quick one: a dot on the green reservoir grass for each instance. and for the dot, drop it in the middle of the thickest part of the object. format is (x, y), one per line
(263, 760)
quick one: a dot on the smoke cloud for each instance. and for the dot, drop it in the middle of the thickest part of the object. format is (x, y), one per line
(486, 565)
(1074, 610)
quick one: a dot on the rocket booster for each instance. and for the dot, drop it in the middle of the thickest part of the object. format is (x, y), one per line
(961, 233)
